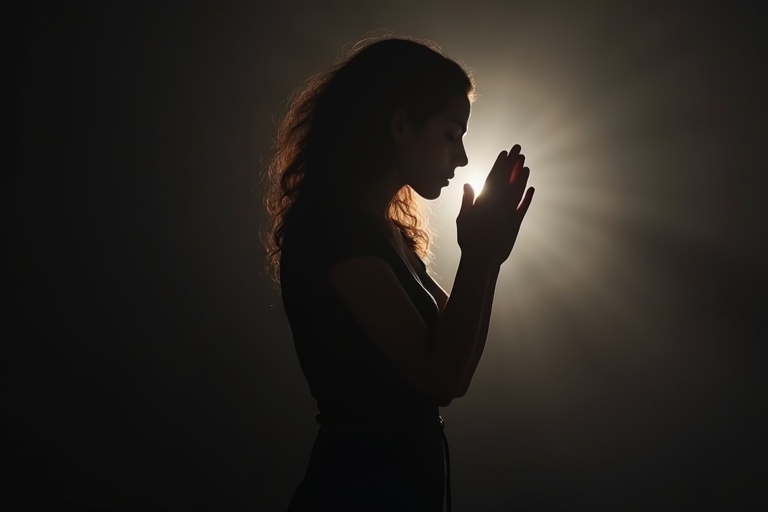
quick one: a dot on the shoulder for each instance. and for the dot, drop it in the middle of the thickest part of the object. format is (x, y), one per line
(371, 289)
(320, 237)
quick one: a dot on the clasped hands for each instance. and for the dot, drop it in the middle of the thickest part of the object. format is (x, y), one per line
(487, 227)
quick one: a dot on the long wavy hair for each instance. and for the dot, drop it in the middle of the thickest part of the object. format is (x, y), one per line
(335, 137)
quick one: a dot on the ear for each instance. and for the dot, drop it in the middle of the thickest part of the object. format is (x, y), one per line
(399, 127)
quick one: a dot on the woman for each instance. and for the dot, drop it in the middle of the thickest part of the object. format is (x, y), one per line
(381, 344)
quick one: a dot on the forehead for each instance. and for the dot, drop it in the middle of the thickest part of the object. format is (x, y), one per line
(458, 110)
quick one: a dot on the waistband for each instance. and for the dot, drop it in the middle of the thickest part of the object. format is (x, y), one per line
(390, 424)
(381, 422)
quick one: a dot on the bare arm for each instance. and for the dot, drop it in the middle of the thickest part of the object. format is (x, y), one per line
(482, 336)
(441, 298)
(440, 362)
(435, 360)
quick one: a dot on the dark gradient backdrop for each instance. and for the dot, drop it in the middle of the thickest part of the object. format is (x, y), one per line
(147, 361)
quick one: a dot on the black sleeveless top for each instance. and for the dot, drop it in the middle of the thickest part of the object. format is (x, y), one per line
(345, 370)
(380, 445)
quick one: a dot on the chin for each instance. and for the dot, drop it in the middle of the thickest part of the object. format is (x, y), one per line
(429, 194)
(429, 191)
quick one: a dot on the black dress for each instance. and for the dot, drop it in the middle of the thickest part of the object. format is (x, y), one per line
(380, 445)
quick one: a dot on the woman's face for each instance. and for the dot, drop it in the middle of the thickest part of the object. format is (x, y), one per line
(429, 155)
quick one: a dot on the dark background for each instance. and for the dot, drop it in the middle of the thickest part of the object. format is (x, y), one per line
(147, 361)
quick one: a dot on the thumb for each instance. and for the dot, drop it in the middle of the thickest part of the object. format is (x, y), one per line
(469, 197)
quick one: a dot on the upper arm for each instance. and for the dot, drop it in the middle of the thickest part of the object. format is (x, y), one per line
(371, 291)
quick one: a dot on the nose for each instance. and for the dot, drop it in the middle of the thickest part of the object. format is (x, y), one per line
(461, 157)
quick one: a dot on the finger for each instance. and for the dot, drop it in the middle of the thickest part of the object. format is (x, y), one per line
(496, 174)
(525, 203)
(516, 168)
(519, 182)
(502, 168)
(505, 172)
(468, 199)
(516, 189)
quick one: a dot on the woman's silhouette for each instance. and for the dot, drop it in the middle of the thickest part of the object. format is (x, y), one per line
(381, 344)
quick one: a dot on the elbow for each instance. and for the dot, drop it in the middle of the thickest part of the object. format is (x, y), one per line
(442, 397)
(445, 399)
(444, 390)
(457, 390)
(461, 390)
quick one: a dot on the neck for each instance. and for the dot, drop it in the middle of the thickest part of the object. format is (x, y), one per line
(378, 196)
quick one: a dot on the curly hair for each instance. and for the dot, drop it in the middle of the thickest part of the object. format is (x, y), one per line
(337, 124)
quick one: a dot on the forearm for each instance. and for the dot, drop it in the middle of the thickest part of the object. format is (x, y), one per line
(482, 335)
(458, 336)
